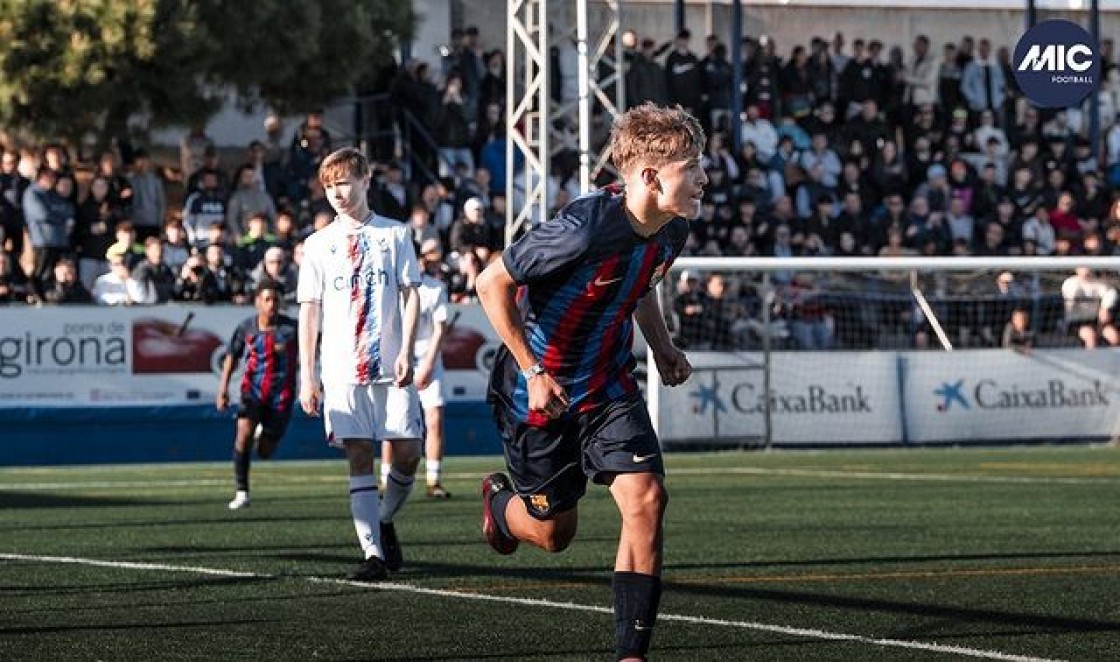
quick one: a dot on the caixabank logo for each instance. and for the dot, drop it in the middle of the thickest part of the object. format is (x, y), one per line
(989, 394)
(1056, 64)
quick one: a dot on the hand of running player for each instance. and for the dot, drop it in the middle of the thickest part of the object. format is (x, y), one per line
(402, 370)
(673, 366)
(547, 397)
(222, 401)
(309, 398)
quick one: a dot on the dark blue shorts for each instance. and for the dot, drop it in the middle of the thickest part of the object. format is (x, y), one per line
(273, 420)
(550, 465)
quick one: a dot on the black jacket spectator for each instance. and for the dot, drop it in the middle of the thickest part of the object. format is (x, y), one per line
(645, 77)
(683, 76)
(65, 288)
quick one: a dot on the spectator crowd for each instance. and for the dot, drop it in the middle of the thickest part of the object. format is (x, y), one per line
(846, 149)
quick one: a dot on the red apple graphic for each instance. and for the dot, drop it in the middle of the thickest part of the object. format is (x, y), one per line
(460, 347)
(161, 346)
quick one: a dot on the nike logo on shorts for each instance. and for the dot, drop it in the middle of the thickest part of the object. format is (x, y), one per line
(638, 459)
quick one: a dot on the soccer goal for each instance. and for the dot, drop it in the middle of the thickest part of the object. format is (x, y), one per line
(891, 350)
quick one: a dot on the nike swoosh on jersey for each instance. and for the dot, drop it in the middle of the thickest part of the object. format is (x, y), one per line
(638, 459)
(599, 282)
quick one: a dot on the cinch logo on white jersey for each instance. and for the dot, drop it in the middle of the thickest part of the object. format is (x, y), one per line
(1055, 64)
(367, 278)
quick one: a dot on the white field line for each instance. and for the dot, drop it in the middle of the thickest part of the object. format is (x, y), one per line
(810, 633)
(279, 479)
(896, 475)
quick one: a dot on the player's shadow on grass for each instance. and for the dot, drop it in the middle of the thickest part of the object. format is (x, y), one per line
(876, 560)
(235, 520)
(132, 588)
(144, 625)
(597, 574)
(718, 589)
(971, 615)
(278, 550)
(39, 500)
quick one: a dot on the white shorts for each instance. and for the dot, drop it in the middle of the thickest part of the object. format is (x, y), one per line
(432, 396)
(375, 411)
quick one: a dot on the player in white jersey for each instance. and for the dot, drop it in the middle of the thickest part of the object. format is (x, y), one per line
(357, 285)
(430, 332)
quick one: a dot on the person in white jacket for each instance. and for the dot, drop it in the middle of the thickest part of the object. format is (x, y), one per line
(118, 287)
(1089, 301)
(920, 74)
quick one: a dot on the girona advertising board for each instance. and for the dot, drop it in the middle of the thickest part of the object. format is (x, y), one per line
(814, 398)
(994, 395)
(81, 356)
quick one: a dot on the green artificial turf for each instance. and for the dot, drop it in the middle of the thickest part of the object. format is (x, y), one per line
(838, 555)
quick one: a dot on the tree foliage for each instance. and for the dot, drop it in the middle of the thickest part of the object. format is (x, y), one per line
(69, 67)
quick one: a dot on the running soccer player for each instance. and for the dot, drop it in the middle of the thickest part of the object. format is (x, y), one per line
(563, 390)
(429, 369)
(268, 341)
(357, 285)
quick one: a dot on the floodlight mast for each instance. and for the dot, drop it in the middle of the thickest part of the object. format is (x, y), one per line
(538, 126)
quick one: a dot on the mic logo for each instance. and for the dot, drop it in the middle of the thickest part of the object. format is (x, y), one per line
(1057, 57)
(1056, 64)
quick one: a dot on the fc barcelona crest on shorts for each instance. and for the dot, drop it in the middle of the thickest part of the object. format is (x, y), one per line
(539, 502)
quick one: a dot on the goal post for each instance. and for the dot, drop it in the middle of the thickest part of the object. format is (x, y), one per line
(808, 351)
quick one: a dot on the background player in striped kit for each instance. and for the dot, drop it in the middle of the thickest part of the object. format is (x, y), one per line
(357, 284)
(563, 390)
(269, 342)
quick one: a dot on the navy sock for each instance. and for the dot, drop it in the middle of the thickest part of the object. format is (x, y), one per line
(636, 598)
(498, 504)
(241, 469)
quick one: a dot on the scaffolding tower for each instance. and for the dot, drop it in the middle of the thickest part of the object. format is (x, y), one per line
(540, 127)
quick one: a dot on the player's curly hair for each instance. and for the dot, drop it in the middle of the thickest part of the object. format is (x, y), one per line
(342, 163)
(654, 135)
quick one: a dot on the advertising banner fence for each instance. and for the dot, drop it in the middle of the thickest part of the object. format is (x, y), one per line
(79, 356)
(862, 398)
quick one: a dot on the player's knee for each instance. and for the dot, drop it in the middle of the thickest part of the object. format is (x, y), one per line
(359, 455)
(266, 445)
(406, 456)
(559, 536)
(646, 502)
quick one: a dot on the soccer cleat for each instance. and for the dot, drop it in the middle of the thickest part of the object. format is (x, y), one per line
(500, 542)
(391, 546)
(436, 491)
(371, 570)
(240, 500)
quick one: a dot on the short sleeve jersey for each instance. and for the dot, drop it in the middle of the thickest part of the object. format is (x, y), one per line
(433, 310)
(271, 361)
(584, 271)
(357, 276)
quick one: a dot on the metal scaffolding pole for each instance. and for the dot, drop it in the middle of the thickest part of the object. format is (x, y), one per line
(539, 127)
(526, 113)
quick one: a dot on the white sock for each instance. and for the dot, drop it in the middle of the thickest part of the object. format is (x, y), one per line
(397, 489)
(364, 504)
(433, 467)
(385, 466)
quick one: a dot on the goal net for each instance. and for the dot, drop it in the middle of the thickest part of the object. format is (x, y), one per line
(869, 351)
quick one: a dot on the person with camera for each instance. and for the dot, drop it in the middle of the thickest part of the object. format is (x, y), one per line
(195, 282)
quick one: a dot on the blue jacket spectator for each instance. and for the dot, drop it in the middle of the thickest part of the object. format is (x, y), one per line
(982, 82)
(45, 224)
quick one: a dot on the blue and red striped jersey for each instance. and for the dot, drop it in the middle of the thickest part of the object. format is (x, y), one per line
(271, 361)
(584, 272)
